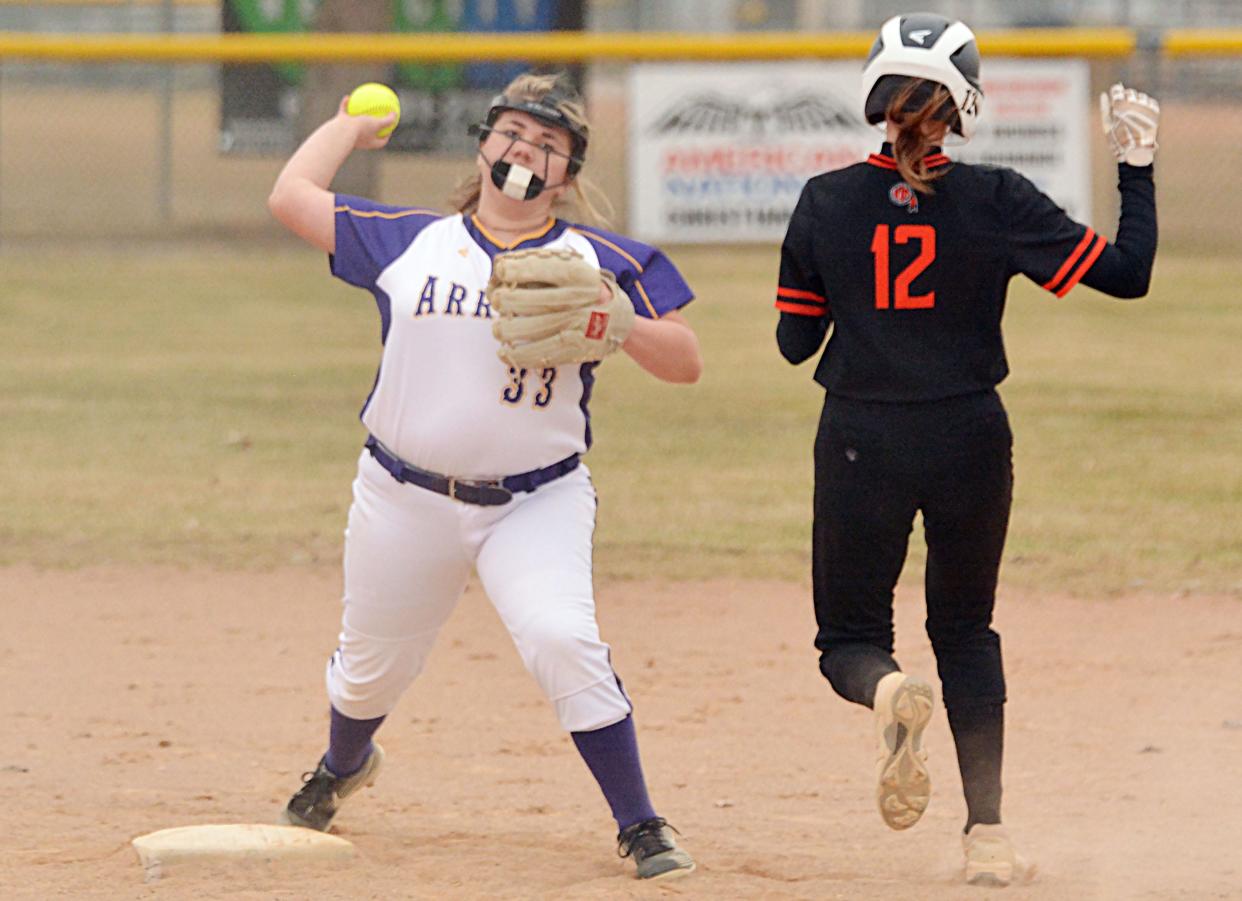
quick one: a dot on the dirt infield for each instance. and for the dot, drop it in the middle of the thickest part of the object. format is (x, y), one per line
(144, 698)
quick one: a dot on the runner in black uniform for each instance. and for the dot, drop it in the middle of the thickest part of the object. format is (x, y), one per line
(903, 261)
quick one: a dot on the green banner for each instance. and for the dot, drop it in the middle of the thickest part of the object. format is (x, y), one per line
(420, 16)
(279, 17)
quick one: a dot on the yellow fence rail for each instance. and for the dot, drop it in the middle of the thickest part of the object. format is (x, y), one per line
(578, 46)
(565, 47)
(1203, 42)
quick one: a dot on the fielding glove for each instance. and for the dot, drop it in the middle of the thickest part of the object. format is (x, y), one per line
(550, 309)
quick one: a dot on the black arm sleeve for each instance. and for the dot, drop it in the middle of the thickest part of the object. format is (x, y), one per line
(799, 337)
(800, 294)
(1123, 268)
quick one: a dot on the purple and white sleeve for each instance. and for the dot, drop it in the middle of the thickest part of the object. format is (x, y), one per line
(647, 276)
(370, 235)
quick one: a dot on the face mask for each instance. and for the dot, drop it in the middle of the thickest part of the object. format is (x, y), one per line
(515, 180)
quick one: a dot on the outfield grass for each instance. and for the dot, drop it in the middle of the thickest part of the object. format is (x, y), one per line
(194, 409)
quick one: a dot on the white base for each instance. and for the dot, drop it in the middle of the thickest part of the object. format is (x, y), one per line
(236, 841)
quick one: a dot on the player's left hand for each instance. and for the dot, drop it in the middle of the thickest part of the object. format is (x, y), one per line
(550, 309)
(1131, 120)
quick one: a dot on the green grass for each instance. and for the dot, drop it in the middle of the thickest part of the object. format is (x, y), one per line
(192, 409)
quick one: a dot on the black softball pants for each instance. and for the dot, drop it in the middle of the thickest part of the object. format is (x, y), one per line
(876, 466)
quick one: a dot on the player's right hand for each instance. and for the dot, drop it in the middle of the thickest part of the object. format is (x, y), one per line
(366, 128)
(1131, 120)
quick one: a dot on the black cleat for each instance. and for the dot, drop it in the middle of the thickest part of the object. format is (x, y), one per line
(651, 845)
(316, 802)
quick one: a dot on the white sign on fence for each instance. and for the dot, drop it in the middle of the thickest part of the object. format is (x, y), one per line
(719, 152)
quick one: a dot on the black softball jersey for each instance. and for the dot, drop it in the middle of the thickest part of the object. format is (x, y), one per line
(913, 285)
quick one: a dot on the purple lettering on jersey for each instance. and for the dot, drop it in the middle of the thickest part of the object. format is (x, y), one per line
(457, 293)
(428, 297)
(483, 310)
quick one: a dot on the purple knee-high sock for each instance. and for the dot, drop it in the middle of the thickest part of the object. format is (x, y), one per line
(349, 743)
(611, 754)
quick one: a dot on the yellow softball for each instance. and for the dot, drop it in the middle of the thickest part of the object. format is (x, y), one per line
(374, 99)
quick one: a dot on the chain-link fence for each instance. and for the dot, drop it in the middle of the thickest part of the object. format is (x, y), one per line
(121, 152)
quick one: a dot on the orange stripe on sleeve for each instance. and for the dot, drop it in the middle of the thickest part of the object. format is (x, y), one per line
(594, 237)
(647, 300)
(1050, 285)
(795, 294)
(802, 309)
(379, 214)
(1086, 264)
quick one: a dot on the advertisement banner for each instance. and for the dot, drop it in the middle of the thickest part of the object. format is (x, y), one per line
(718, 153)
(260, 102)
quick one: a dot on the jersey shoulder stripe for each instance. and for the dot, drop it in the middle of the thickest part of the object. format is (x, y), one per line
(643, 271)
(369, 236)
(612, 245)
(386, 214)
(642, 292)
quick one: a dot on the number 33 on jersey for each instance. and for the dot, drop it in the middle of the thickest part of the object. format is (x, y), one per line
(516, 389)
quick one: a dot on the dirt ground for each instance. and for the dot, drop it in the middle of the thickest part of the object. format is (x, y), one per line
(138, 699)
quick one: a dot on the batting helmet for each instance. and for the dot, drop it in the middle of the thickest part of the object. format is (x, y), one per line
(924, 45)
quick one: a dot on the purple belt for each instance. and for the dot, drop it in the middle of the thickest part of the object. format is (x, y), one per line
(481, 492)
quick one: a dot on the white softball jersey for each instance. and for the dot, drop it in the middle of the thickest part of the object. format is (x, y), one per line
(443, 401)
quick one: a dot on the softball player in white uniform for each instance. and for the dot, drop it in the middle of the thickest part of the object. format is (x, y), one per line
(472, 464)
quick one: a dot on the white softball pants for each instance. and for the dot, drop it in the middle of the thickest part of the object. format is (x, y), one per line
(408, 554)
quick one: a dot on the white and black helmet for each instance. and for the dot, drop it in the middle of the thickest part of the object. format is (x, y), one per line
(924, 45)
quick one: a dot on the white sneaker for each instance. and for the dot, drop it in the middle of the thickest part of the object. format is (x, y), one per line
(903, 708)
(991, 859)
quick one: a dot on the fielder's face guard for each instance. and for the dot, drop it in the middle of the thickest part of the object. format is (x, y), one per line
(515, 179)
(546, 110)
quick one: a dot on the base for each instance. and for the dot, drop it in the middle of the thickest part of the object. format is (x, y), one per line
(235, 841)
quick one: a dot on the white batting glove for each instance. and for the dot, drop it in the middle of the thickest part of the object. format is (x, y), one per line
(1131, 120)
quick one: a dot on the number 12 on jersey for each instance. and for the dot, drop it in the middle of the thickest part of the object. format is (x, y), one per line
(902, 299)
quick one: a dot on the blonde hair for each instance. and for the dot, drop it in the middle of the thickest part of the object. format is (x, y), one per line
(919, 130)
(592, 205)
